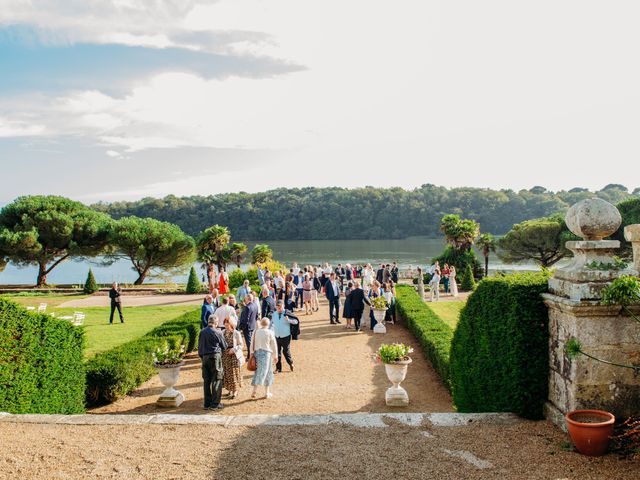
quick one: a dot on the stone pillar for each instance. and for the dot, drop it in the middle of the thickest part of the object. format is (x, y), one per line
(575, 311)
(632, 234)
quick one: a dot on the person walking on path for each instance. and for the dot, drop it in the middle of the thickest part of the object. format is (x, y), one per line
(347, 313)
(281, 322)
(248, 318)
(225, 310)
(207, 310)
(223, 282)
(394, 272)
(243, 291)
(453, 282)
(317, 285)
(357, 300)
(263, 347)
(446, 272)
(268, 305)
(375, 292)
(434, 284)
(307, 288)
(332, 292)
(211, 344)
(115, 295)
(298, 280)
(230, 359)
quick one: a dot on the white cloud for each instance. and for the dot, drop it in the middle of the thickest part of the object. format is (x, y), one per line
(17, 128)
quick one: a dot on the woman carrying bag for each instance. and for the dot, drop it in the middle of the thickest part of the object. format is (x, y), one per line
(263, 349)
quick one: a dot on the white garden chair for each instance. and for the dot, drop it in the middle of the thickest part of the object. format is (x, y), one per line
(42, 308)
(78, 318)
(31, 309)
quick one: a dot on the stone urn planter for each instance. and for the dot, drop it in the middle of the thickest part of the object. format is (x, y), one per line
(396, 396)
(590, 430)
(169, 375)
(379, 314)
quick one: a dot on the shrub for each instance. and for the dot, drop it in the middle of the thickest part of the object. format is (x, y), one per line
(237, 278)
(90, 285)
(41, 369)
(431, 332)
(468, 283)
(461, 259)
(116, 372)
(193, 284)
(499, 354)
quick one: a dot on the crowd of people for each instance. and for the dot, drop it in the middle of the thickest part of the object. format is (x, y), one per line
(265, 324)
(445, 275)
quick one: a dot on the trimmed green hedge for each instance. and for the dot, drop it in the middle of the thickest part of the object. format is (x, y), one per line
(433, 334)
(499, 354)
(41, 364)
(116, 372)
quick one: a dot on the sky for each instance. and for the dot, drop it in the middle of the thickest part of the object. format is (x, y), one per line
(122, 99)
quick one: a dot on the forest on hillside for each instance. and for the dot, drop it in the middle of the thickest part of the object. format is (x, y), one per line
(361, 213)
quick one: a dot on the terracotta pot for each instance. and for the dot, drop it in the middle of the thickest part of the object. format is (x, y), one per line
(590, 430)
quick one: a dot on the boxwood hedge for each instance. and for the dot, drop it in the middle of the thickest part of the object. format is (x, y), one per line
(499, 353)
(433, 334)
(116, 372)
(41, 364)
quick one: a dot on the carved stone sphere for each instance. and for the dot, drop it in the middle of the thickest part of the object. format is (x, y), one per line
(593, 219)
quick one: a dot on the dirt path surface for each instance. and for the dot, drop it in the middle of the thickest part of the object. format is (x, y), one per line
(525, 450)
(135, 301)
(334, 372)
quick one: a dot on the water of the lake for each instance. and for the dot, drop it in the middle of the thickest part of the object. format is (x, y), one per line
(408, 252)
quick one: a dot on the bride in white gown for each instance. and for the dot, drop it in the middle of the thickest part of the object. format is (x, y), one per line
(453, 284)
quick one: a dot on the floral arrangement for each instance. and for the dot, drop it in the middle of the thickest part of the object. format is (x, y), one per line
(393, 353)
(168, 356)
(379, 303)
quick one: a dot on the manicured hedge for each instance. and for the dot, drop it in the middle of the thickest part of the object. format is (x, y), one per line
(41, 364)
(499, 354)
(433, 334)
(116, 372)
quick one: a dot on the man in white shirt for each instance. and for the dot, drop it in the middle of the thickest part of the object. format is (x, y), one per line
(224, 311)
(295, 269)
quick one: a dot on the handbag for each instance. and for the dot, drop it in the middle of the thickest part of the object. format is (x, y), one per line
(251, 364)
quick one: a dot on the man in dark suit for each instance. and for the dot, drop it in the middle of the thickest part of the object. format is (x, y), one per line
(248, 319)
(340, 274)
(211, 344)
(357, 299)
(380, 274)
(207, 310)
(116, 302)
(332, 292)
(394, 272)
(268, 305)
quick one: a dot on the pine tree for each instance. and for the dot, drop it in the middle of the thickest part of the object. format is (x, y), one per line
(90, 286)
(193, 284)
(468, 282)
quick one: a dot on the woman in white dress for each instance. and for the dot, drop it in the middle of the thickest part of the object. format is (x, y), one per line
(453, 284)
(367, 277)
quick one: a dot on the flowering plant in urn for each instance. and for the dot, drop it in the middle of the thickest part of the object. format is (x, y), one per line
(396, 352)
(168, 356)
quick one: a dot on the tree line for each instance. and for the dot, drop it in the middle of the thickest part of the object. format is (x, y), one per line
(47, 230)
(361, 213)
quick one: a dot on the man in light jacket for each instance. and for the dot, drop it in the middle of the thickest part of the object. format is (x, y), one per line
(281, 325)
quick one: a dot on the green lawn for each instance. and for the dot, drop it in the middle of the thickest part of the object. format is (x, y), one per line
(138, 321)
(33, 299)
(449, 312)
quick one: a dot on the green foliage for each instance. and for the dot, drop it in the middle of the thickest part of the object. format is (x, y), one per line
(116, 372)
(541, 240)
(393, 353)
(487, 244)
(459, 233)
(41, 369)
(150, 244)
(237, 278)
(47, 230)
(433, 334)
(90, 285)
(630, 212)
(467, 282)
(500, 352)
(371, 212)
(460, 259)
(617, 264)
(379, 303)
(193, 284)
(623, 291)
(235, 253)
(261, 254)
(212, 244)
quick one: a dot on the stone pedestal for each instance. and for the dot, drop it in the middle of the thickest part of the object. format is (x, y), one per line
(576, 312)
(584, 383)
(632, 234)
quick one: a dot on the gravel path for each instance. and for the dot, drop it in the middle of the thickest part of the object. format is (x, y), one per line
(334, 372)
(525, 450)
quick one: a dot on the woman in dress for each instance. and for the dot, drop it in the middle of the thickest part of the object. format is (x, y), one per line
(453, 284)
(315, 304)
(230, 364)
(367, 277)
(211, 273)
(307, 288)
(375, 292)
(388, 295)
(263, 348)
(223, 282)
(346, 310)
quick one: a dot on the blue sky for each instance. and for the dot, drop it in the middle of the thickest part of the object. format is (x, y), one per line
(108, 100)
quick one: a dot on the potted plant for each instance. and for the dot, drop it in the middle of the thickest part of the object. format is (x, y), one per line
(379, 306)
(396, 360)
(590, 430)
(168, 360)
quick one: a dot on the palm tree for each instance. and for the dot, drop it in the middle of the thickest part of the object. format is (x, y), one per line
(487, 243)
(236, 253)
(459, 233)
(212, 244)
